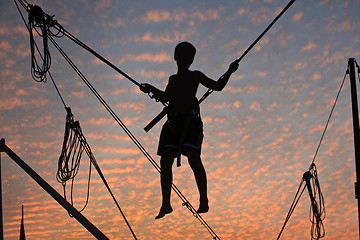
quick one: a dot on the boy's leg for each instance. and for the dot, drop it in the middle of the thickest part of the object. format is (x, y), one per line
(200, 178)
(166, 178)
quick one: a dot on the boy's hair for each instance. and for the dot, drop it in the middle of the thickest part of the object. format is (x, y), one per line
(184, 50)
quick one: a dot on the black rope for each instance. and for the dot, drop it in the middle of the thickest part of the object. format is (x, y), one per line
(297, 197)
(34, 44)
(317, 207)
(69, 161)
(330, 115)
(317, 210)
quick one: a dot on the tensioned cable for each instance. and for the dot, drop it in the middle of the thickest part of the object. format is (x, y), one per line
(300, 192)
(328, 120)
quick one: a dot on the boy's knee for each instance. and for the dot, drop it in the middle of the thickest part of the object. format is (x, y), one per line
(195, 162)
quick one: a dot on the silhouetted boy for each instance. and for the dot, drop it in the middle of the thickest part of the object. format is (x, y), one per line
(183, 130)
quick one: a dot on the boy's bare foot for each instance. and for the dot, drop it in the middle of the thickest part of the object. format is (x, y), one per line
(203, 208)
(163, 211)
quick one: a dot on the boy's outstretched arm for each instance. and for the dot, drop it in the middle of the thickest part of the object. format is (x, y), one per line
(222, 81)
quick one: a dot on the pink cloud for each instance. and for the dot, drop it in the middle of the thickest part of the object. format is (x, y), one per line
(78, 94)
(316, 76)
(297, 16)
(256, 105)
(156, 16)
(157, 57)
(309, 46)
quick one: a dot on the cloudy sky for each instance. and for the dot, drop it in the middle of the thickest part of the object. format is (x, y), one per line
(261, 131)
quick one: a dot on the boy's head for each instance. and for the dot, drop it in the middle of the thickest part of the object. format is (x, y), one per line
(184, 52)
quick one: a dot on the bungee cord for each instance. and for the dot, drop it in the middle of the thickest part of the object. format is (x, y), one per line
(112, 113)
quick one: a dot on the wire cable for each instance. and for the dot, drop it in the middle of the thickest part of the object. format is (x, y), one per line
(317, 210)
(74, 145)
(330, 115)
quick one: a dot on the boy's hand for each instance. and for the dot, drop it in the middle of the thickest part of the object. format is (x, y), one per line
(234, 66)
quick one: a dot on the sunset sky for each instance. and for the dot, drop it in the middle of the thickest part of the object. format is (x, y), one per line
(261, 131)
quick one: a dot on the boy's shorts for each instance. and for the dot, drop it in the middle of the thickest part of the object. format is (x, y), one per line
(172, 133)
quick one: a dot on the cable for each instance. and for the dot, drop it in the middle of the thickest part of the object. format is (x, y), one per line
(74, 145)
(317, 210)
(330, 115)
(297, 197)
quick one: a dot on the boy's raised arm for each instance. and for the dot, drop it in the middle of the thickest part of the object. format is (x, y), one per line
(222, 81)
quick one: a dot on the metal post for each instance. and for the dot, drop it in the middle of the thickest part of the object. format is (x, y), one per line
(50, 190)
(356, 129)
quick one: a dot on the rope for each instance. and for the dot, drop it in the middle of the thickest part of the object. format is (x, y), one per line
(330, 115)
(33, 44)
(73, 146)
(297, 197)
(317, 209)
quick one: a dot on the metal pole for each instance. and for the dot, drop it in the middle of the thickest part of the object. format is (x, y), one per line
(50, 190)
(356, 129)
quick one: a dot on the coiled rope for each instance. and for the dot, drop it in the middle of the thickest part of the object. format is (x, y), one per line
(74, 145)
(310, 180)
